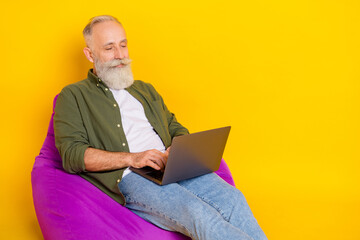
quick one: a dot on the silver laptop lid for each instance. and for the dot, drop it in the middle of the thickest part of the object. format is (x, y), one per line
(195, 154)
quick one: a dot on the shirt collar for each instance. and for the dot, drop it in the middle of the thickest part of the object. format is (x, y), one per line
(93, 77)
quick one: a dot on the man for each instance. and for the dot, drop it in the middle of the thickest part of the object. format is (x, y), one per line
(109, 122)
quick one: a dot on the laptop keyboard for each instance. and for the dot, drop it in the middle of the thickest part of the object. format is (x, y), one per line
(156, 174)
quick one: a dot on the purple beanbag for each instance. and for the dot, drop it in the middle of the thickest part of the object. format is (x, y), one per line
(69, 207)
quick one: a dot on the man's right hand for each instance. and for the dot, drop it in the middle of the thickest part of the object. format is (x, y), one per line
(152, 158)
(100, 160)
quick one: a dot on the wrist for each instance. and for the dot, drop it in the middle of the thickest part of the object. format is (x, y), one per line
(129, 159)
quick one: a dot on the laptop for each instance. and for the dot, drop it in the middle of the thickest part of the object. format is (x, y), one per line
(190, 156)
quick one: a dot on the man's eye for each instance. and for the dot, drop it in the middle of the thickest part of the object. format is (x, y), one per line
(108, 48)
(123, 46)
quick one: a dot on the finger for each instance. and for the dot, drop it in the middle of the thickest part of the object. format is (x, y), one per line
(158, 157)
(153, 165)
(166, 159)
(167, 153)
(159, 160)
(168, 150)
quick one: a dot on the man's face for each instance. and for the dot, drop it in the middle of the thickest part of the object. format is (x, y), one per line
(107, 49)
(108, 42)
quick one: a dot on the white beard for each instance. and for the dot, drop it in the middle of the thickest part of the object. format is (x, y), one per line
(114, 77)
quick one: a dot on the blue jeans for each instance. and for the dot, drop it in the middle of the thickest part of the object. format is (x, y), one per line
(204, 207)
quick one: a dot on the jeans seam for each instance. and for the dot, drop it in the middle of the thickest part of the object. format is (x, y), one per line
(216, 207)
(211, 203)
(130, 200)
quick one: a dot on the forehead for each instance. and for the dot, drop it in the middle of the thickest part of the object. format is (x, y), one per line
(107, 32)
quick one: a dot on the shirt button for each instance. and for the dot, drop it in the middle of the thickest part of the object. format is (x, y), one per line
(118, 180)
(99, 80)
(106, 89)
(97, 84)
(124, 144)
(118, 125)
(114, 105)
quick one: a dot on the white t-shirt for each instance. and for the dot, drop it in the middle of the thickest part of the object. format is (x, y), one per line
(139, 133)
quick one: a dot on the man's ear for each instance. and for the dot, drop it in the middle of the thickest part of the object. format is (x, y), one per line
(88, 54)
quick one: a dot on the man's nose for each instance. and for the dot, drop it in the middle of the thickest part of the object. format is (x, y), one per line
(119, 53)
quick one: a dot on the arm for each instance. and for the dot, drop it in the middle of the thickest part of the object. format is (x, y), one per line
(71, 138)
(100, 160)
(175, 128)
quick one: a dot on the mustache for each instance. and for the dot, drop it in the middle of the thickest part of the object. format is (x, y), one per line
(116, 62)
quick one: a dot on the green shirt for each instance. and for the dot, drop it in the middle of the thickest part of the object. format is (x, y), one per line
(87, 115)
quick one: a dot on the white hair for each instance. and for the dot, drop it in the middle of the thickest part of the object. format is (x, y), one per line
(95, 20)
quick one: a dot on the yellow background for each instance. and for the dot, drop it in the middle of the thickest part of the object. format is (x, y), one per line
(284, 74)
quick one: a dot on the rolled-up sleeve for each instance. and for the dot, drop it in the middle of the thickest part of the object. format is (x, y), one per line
(71, 138)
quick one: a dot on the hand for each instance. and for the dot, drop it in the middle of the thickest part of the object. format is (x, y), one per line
(152, 158)
(167, 154)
